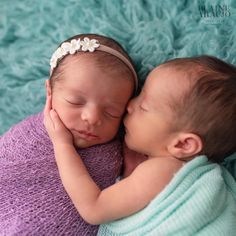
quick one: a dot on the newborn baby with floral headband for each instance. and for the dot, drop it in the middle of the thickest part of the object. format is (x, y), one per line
(91, 81)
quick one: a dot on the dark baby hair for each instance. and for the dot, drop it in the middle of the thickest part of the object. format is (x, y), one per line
(208, 108)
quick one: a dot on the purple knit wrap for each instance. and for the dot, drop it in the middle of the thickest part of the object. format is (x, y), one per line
(32, 198)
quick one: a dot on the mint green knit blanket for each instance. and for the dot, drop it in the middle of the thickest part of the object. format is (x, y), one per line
(200, 200)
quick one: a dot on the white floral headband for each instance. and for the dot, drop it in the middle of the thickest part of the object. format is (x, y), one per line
(87, 45)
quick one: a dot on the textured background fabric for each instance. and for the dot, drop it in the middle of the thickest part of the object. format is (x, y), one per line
(152, 31)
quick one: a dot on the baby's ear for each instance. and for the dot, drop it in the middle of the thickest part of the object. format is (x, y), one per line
(48, 88)
(185, 145)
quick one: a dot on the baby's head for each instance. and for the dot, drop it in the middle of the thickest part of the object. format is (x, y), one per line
(187, 107)
(91, 81)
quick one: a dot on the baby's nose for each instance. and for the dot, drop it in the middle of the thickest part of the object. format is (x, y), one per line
(130, 106)
(91, 115)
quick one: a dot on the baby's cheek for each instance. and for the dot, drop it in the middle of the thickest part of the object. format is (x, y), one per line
(113, 128)
(70, 119)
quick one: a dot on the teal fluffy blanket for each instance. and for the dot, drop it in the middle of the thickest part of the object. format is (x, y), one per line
(200, 200)
(152, 31)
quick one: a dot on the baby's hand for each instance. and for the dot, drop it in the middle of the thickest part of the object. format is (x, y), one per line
(57, 131)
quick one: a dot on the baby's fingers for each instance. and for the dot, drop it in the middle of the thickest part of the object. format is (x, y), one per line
(46, 112)
(56, 120)
(48, 105)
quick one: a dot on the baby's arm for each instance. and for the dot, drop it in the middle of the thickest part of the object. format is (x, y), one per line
(121, 199)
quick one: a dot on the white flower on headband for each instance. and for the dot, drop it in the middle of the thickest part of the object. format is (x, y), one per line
(72, 47)
(58, 54)
(89, 44)
(53, 62)
(65, 47)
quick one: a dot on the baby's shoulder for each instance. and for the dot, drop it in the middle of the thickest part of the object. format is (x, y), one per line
(153, 175)
(158, 169)
(161, 164)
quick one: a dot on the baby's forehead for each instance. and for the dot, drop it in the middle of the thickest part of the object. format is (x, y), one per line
(80, 59)
(187, 68)
(87, 61)
(186, 73)
(168, 73)
(168, 82)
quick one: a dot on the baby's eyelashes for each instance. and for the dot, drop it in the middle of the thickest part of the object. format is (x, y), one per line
(142, 108)
(112, 115)
(75, 103)
(107, 112)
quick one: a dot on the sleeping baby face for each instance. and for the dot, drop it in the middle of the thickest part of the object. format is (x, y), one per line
(149, 123)
(90, 102)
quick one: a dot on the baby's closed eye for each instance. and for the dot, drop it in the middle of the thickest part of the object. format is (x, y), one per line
(78, 101)
(113, 113)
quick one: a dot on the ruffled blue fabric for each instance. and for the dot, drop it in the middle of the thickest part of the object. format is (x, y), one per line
(200, 200)
(151, 31)
(230, 164)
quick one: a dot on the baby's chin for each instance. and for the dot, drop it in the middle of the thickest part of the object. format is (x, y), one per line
(85, 143)
(81, 143)
(131, 145)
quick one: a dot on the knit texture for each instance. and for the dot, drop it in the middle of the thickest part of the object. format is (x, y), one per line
(32, 198)
(200, 200)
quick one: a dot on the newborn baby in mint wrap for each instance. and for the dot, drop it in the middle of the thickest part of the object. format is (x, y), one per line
(32, 198)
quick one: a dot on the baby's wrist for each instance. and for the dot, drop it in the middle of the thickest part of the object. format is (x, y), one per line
(63, 145)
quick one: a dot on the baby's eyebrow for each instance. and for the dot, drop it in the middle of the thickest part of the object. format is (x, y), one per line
(78, 92)
(120, 106)
(117, 102)
(114, 100)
